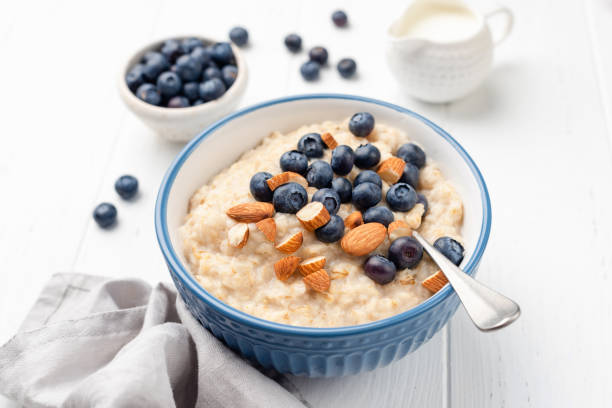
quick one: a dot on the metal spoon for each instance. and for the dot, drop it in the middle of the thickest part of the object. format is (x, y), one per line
(488, 309)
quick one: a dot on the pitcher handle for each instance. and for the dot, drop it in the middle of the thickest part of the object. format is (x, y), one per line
(509, 17)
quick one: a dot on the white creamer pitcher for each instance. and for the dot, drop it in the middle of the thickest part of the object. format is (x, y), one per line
(441, 50)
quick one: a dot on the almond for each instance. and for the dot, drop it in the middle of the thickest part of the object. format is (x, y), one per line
(268, 227)
(398, 229)
(311, 265)
(313, 216)
(391, 169)
(238, 235)
(318, 280)
(251, 212)
(291, 244)
(435, 282)
(363, 239)
(353, 220)
(284, 178)
(285, 267)
(329, 140)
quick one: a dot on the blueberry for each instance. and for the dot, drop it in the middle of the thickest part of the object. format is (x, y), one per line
(105, 215)
(347, 67)
(202, 54)
(311, 145)
(378, 214)
(210, 73)
(329, 198)
(379, 269)
(229, 74)
(367, 176)
(178, 101)
(294, 161)
(401, 197)
(189, 44)
(366, 195)
(343, 187)
(169, 84)
(318, 54)
(310, 70)
(239, 36)
(289, 198)
(320, 174)
(332, 231)
(342, 160)
(171, 49)
(188, 68)
(405, 252)
(411, 153)
(155, 64)
(451, 249)
(149, 93)
(259, 188)
(212, 89)
(135, 77)
(423, 200)
(339, 18)
(191, 90)
(410, 175)
(126, 186)
(197, 102)
(293, 42)
(222, 53)
(361, 124)
(367, 156)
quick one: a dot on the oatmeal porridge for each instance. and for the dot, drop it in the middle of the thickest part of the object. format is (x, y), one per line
(316, 268)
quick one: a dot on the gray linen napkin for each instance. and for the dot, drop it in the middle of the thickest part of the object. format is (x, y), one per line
(96, 342)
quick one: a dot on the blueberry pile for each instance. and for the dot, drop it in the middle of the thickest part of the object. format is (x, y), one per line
(105, 214)
(183, 73)
(365, 193)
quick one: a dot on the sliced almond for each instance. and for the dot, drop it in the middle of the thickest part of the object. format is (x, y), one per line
(329, 140)
(318, 280)
(353, 220)
(268, 227)
(284, 178)
(291, 244)
(313, 215)
(285, 267)
(251, 212)
(398, 229)
(311, 265)
(364, 239)
(435, 282)
(391, 169)
(238, 235)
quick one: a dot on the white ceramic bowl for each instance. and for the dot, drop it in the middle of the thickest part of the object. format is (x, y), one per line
(182, 124)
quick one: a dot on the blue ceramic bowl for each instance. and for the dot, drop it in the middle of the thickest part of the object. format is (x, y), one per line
(316, 352)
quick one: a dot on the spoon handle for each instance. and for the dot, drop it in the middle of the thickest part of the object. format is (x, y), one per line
(488, 309)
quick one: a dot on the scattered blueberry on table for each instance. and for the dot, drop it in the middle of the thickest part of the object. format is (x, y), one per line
(379, 214)
(339, 18)
(239, 36)
(451, 249)
(347, 67)
(178, 74)
(105, 215)
(126, 186)
(310, 70)
(289, 198)
(332, 231)
(379, 269)
(361, 124)
(329, 198)
(405, 252)
(318, 54)
(293, 42)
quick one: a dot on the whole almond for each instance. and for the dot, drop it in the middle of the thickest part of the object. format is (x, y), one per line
(353, 220)
(284, 268)
(291, 244)
(251, 212)
(268, 227)
(284, 178)
(329, 140)
(313, 215)
(398, 229)
(318, 281)
(435, 282)
(391, 169)
(364, 239)
(311, 265)
(238, 235)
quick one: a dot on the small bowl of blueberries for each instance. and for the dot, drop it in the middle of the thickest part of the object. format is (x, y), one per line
(178, 86)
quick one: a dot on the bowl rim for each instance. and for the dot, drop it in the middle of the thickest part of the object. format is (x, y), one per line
(163, 238)
(234, 91)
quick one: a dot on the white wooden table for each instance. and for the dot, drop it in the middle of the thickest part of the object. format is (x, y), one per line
(540, 130)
